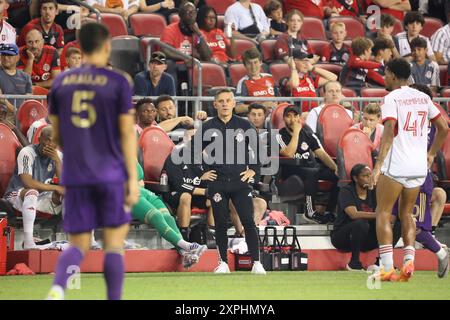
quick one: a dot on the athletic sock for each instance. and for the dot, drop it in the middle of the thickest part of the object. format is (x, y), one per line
(441, 253)
(183, 244)
(69, 259)
(113, 271)
(28, 216)
(386, 256)
(408, 254)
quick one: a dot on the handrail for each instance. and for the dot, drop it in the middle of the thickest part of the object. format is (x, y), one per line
(89, 7)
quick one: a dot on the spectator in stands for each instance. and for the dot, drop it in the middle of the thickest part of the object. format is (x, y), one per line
(382, 53)
(274, 11)
(145, 114)
(306, 78)
(71, 44)
(354, 229)
(53, 33)
(337, 51)
(353, 8)
(292, 38)
(413, 23)
(4, 115)
(423, 70)
(165, 8)
(359, 69)
(7, 31)
(440, 43)
(309, 8)
(371, 125)
(42, 122)
(332, 95)
(395, 8)
(255, 83)
(248, 19)
(12, 81)
(155, 81)
(257, 115)
(223, 49)
(29, 189)
(40, 61)
(387, 23)
(301, 143)
(73, 58)
(125, 8)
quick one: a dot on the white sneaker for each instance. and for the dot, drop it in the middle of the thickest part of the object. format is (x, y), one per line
(258, 268)
(222, 268)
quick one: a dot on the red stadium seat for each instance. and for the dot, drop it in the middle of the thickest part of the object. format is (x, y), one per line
(313, 29)
(276, 118)
(373, 92)
(333, 121)
(354, 147)
(318, 46)
(115, 23)
(8, 150)
(398, 27)
(243, 45)
(353, 26)
(237, 72)
(213, 75)
(220, 5)
(332, 67)
(154, 138)
(147, 24)
(349, 93)
(174, 17)
(430, 26)
(28, 112)
(268, 50)
(443, 75)
(279, 70)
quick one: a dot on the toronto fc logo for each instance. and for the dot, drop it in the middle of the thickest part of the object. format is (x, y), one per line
(217, 197)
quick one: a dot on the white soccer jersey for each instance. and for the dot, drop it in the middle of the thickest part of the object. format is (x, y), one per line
(412, 110)
(7, 33)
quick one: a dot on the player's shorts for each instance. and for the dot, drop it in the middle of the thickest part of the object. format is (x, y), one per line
(94, 206)
(173, 200)
(407, 183)
(45, 204)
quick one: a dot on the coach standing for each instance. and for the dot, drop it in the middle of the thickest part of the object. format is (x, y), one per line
(229, 144)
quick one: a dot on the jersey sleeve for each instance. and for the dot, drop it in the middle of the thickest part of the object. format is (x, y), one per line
(280, 140)
(167, 37)
(313, 140)
(388, 109)
(25, 161)
(125, 98)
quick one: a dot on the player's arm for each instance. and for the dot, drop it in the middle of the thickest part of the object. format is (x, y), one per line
(169, 124)
(354, 214)
(386, 143)
(439, 139)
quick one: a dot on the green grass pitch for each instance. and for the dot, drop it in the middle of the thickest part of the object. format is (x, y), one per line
(238, 285)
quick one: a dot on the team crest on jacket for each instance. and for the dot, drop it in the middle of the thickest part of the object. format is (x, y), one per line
(304, 146)
(239, 137)
(217, 197)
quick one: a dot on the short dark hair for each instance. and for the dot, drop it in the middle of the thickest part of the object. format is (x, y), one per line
(387, 20)
(423, 88)
(418, 42)
(47, 1)
(143, 101)
(400, 67)
(271, 6)
(162, 98)
(361, 44)
(413, 16)
(256, 106)
(382, 44)
(92, 37)
(201, 16)
(222, 90)
(250, 54)
(356, 171)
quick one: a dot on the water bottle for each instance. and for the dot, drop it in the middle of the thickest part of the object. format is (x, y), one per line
(164, 179)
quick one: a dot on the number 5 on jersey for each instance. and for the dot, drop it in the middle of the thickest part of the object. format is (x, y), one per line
(81, 103)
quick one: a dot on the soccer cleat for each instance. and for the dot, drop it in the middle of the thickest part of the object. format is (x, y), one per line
(258, 268)
(188, 259)
(443, 265)
(382, 275)
(222, 268)
(197, 249)
(407, 271)
(56, 293)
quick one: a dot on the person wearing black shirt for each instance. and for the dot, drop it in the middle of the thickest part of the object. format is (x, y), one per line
(301, 143)
(228, 144)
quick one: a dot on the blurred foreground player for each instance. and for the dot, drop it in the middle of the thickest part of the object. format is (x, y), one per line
(92, 113)
(402, 165)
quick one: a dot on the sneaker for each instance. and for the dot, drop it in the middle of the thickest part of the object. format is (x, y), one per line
(222, 268)
(443, 266)
(197, 249)
(258, 268)
(188, 259)
(382, 275)
(354, 266)
(407, 271)
(315, 218)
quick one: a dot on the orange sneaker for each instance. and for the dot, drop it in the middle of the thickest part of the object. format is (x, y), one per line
(382, 275)
(407, 271)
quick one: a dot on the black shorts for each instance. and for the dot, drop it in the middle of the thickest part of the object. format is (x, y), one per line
(173, 200)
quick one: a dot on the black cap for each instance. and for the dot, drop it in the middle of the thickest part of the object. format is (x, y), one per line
(158, 56)
(299, 54)
(291, 108)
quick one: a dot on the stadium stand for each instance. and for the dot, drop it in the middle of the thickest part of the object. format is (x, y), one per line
(313, 29)
(126, 54)
(9, 145)
(213, 75)
(430, 26)
(115, 23)
(267, 50)
(353, 26)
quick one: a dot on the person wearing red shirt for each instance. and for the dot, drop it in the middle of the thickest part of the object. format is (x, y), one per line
(309, 8)
(306, 78)
(223, 49)
(358, 68)
(52, 33)
(354, 8)
(395, 8)
(40, 61)
(71, 44)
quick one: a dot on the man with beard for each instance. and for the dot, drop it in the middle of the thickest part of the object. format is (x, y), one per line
(155, 81)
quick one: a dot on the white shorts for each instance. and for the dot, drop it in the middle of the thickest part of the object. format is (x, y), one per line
(407, 183)
(44, 204)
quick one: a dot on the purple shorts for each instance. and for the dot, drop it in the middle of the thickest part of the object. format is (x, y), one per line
(96, 206)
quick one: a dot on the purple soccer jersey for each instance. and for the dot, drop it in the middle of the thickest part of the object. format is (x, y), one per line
(88, 102)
